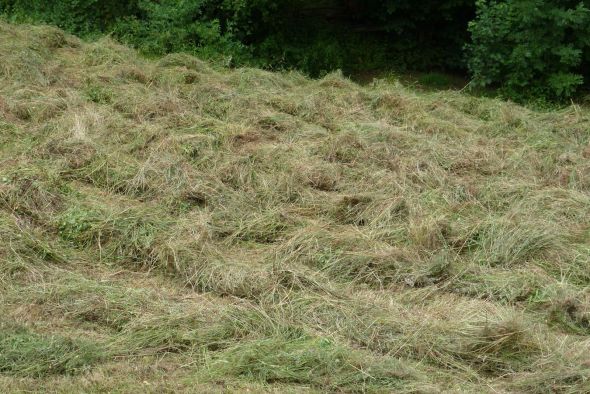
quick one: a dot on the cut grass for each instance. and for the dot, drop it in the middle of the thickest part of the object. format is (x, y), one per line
(23, 353)
(169, 226)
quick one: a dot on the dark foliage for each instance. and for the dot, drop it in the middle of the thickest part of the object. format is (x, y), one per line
(526, 48)
(531, 48)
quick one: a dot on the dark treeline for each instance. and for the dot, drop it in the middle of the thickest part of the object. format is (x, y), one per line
(524, 48)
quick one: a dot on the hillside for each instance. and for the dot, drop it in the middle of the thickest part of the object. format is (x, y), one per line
(168, 226)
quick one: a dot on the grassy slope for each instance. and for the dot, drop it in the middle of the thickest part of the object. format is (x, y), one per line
(167, 226)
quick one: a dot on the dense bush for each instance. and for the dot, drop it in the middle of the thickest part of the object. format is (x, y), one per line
(313, 36)
(82, 17)
(187, 26)
(428, 32)
(366, 35)
(531, 48)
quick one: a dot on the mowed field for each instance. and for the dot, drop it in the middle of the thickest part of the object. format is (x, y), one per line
(166, 226)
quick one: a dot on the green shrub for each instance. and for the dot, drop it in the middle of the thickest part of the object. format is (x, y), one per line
(189, 26)
(531, 48)
(82, 17)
